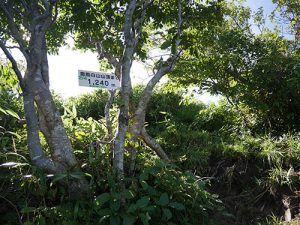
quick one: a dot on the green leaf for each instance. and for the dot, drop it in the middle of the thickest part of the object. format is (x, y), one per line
(128, 194)
(144, 176)
(145, 218)
(103, 198)
(3, 110)
(15, 134)
(12, 113)
(104, 213)
(151, 208)
(77, 175)
(128, 220)
(166, 44)
(177, 206)
(163, 200)
(144, 185)
(142, 202)
(132, 208)
(167, 213)
(115, 204)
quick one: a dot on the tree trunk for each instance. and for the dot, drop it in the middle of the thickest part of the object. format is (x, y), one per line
(35, 87)
(108, 123)
(125, 90)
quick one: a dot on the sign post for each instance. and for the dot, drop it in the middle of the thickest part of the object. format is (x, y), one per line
(98, 80)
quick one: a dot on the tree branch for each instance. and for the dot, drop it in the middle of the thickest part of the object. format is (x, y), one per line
(14, 29)
(13, 63)
(102, 53)
(164, 67)
(154, 145)
(139, 23)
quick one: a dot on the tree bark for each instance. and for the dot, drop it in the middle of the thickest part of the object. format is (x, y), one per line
(138, 128)
(154, 145)
(35, 87)
(125, 90)
(108, 123)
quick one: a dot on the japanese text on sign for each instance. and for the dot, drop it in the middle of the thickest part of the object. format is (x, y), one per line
(98, 80)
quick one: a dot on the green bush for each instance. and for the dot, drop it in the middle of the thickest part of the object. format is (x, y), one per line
(159, 194)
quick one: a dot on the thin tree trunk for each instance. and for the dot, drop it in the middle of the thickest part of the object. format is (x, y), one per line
(139, 116)
(108, 123)
(125, 90)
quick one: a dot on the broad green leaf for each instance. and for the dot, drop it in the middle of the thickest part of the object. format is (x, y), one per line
(103, 198)
(177, 206)
(3, 110)
(145, 218)
(132, 208)
(142, 202)
(144, 176)
(163, 200)
(144, 185)
(12, 113)
(167, 213)
(128, 220)
(166, 44)
(115, 204)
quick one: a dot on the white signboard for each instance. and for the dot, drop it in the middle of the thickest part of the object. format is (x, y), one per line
(98, 80)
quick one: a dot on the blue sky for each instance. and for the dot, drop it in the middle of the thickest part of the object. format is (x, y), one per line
(266, 4)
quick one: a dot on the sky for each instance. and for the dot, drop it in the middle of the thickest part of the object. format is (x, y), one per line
(64, 66)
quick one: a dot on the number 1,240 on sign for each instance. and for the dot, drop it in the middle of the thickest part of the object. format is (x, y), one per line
(98, 80)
